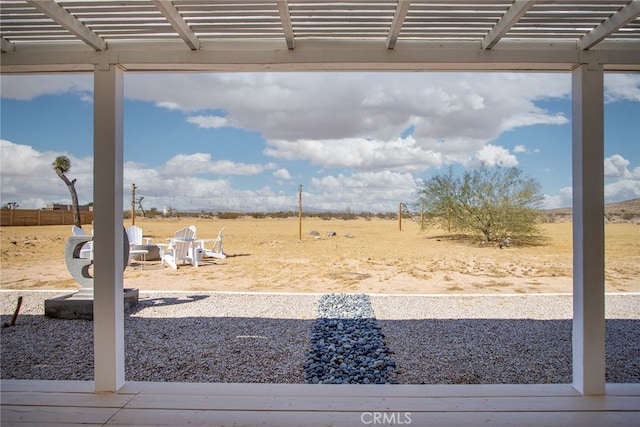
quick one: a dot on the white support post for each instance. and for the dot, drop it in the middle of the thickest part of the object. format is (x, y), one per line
(108, 306)
(588, 230)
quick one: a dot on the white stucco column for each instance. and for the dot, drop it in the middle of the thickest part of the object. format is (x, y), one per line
(108, 306)
(588, 229)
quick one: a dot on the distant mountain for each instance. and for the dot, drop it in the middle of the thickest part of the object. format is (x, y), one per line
(632, 205)
(627, 211)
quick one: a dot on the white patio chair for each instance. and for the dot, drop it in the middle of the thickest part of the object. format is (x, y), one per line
(178, 248)
(217, 250)
(134, 233)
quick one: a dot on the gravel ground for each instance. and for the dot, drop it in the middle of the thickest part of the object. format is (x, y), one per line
(218, 337)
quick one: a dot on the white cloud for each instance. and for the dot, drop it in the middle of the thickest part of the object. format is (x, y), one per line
(621, 87)
(365, 191)
(282, 174)
(187, 164)
(552, 202)
(209, 122)
(26, 87)
(621, 190)
(355, 118)
(463, 107)
(533, 118)
(335, 120)
(201, 163)
(492, 155)
(519, 149)
(168, 105)
(616, 167)
(27, 176)
(616, 191)
(561, 200)
(357, 153)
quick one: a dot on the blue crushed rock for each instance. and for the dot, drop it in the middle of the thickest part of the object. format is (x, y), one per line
(347, 345)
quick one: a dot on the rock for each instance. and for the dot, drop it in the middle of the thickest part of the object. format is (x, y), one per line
(331, 233)
(347, 345)
(314, 233)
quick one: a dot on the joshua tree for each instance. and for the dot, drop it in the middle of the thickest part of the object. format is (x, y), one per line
(62, 165)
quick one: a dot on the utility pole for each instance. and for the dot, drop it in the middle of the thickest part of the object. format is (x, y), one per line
(133, 204)
(400, 216)
(300, 212)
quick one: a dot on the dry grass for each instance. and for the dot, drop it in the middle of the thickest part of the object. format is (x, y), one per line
(267, 255)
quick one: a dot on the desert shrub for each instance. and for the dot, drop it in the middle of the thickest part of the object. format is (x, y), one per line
(491, 203)
(228, 215)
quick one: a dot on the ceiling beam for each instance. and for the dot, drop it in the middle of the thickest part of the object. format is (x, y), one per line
(178, 23)
(6, 45)
(508, 20)
(320, 55)
(396, 25)
(60, 15)
(619, 19)
(285, 17)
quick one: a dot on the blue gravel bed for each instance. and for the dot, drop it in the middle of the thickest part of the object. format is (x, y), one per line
(347, 345)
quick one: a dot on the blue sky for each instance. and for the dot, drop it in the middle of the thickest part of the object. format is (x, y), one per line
(358, 141)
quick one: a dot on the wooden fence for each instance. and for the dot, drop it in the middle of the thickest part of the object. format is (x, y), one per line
(41, 217)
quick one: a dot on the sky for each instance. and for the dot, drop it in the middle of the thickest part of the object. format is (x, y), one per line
(354, 141)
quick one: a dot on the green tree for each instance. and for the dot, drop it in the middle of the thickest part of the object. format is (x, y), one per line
(62, 165)
(493, 203)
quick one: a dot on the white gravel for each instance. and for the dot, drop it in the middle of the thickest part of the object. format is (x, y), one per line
(227, 337)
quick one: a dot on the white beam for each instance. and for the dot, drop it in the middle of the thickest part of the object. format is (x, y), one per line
(508, 20)
(588, 229)
(285, 17)
(321, 55)
(108, 306)
(56, 12)
(6, 45)
(619, 19)
(178, 23)
(396, 25)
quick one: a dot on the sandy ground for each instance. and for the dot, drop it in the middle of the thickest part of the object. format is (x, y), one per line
(266, 255)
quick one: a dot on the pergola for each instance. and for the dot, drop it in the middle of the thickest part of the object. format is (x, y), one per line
(110, 38)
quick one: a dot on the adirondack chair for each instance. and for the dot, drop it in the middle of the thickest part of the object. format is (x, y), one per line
(178, 249)
(216, 250)
(136, 250)
(135, 235)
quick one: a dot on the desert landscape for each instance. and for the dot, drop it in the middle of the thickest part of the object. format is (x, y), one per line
(452, 312)
(364, 256)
